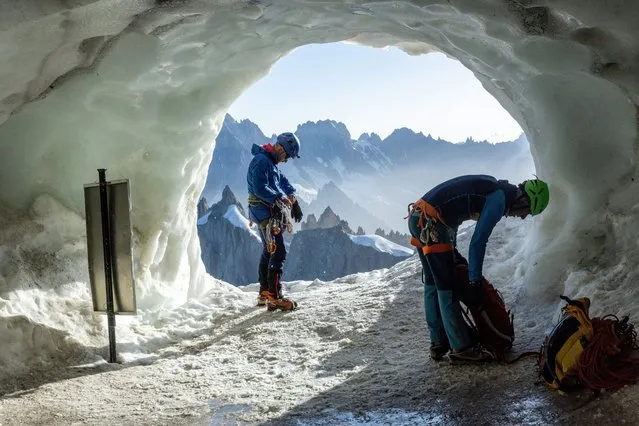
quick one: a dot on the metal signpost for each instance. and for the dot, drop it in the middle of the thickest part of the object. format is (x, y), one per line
(108, 224)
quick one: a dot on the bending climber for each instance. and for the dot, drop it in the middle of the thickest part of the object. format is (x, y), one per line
(433, 221)
(270, 192)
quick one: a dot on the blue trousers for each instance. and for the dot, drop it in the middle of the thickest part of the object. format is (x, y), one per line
(444, 318)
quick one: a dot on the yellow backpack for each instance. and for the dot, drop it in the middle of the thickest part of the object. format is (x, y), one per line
(596, 353)
(562, 348)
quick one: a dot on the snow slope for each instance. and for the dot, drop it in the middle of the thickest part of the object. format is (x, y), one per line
(381, 244)
(236, 218)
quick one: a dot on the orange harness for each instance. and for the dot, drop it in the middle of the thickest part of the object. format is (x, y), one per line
(427, 213)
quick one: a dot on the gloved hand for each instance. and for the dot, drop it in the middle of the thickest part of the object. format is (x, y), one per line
(475, 294)
(277, 207)
(296, 212)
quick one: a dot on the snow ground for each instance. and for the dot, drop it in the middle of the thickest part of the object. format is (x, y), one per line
(355, 353)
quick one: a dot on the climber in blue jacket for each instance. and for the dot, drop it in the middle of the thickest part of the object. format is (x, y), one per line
(433, 222)
(269, 191)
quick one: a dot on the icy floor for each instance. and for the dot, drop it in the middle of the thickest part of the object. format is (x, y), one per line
(355, 353)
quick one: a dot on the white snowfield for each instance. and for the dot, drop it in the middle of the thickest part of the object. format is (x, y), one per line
(140, 88)
(381, 244)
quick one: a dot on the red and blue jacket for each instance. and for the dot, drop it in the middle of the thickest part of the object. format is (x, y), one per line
(266, 182)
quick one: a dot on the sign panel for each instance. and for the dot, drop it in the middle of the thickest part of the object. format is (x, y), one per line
(122, 267)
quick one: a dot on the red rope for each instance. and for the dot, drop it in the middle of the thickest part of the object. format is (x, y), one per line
(607, 362)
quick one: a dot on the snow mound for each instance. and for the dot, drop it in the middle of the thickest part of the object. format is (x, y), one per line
(381, 244)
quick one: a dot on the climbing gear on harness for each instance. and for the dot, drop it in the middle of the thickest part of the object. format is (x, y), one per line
(435, 236)
(254, 200)
(539, 195)
(280, 217)
(491, 322)
(290, 143)
(275, 227)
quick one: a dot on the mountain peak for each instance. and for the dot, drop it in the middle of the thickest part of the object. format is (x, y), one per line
(202, 207)
(228, 119)
(326, 127)
(372, 138)
(330, 185)
(228, 197)
(328, 218)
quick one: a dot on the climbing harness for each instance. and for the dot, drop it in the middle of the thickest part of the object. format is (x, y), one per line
(280, 218)
(435, 236)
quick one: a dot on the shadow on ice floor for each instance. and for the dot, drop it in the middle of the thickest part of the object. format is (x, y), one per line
(400, 385)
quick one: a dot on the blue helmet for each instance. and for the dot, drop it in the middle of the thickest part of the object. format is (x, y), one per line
(290, 143)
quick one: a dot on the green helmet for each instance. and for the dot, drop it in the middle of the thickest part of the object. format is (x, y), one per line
(538, 194)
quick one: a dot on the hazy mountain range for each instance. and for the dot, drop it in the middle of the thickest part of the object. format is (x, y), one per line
(368, 181)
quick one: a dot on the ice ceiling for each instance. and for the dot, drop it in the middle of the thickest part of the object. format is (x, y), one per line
(139, 87)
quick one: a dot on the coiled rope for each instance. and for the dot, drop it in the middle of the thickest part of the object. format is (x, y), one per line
(607, 362)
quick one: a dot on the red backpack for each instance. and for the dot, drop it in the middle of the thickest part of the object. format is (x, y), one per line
(493, 324)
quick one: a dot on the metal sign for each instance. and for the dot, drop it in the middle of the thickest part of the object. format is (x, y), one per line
(121, 261)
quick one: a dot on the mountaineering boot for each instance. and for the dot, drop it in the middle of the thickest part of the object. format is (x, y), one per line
(263, 297)
(471, 355)
(276, 301)
(283, 304)
(438, 350)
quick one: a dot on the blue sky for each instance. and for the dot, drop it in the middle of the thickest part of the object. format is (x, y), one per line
(375, 90)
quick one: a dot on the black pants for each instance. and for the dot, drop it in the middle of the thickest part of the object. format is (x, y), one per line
(271, 264)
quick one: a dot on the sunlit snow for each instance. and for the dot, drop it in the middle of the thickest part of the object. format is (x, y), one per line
(236, 218)
(381, 244)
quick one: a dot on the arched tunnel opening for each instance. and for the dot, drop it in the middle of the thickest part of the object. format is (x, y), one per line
(376, 127)
(141, 88)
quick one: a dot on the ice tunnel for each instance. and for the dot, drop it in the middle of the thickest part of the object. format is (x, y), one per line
(140, 88)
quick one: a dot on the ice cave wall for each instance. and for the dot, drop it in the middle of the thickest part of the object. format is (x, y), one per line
(139, 87)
